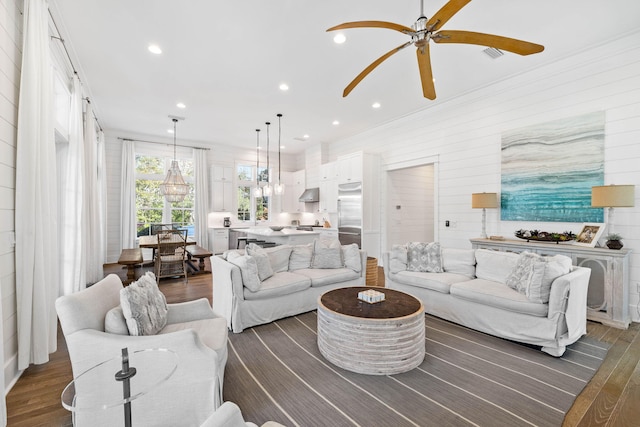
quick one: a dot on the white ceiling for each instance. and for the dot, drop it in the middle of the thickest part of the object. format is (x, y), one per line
(226, 59)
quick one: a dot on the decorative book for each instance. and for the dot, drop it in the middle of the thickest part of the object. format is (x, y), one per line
(371, 296)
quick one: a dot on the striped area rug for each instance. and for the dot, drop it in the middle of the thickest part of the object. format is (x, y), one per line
(276, 372)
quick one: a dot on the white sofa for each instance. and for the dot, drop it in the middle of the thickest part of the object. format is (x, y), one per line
(472, 291)
(289, 291)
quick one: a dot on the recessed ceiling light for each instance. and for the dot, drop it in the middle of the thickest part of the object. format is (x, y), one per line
(154, 48)
(282, 147)
(284, 87)
(375, 105)
(336, 123)
(305, 136)
(169, 130)
(339, 38)
(181, 105)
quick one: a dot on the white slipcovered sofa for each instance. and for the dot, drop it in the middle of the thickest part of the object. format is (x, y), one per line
(299, 275)
(540, 306)
(96, 330)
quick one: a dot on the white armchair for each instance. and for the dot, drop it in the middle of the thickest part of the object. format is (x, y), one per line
(193, 331)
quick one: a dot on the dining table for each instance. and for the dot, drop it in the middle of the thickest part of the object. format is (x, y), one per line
(151, 242)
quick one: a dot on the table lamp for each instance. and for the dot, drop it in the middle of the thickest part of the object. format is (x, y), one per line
(612, 196)
(484, 201)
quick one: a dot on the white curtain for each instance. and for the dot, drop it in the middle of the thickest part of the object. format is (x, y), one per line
(102, 196)
(202, 190)
(37, 277)
(128, 196)
(92, 205)
(72, 240)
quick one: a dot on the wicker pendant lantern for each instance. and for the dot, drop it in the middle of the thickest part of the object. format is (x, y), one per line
(174, 189)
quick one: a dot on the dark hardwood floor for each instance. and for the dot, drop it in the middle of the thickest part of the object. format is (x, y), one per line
(610, 399)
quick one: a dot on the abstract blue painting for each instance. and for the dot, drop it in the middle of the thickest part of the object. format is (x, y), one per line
(548, 170)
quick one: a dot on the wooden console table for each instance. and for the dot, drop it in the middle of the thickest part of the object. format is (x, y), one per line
(608, 295)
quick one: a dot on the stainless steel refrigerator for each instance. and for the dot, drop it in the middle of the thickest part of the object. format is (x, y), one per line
(350, 213)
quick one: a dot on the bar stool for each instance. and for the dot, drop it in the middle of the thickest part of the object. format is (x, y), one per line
(241, 239)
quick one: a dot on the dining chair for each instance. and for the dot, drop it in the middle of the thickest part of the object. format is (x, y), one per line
(170, 257)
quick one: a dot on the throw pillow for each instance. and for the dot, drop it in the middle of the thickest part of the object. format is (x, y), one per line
(351, 256)
(144, 306)
(262, 260)
(300, 257)
(521, 275)
(279, 257)
(545, 271)
(398, 258)
(327, 253)
(248, 269)
(424, 257)
(115, 323)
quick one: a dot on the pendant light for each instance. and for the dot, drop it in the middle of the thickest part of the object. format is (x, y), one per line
(267, 190)
(174, 189)
(279, 187)
(257, 192)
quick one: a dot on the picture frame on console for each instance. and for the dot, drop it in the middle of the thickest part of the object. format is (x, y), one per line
(589, 234)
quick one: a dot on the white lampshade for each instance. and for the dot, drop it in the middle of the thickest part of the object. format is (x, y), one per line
(484, 200)
(612, 196)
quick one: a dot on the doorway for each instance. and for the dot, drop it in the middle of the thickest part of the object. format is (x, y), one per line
(411, 204)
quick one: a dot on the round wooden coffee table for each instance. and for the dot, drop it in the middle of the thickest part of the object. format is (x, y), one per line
(384, 338)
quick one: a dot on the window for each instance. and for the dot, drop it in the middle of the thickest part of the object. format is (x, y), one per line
(251, 208)
(151, 206)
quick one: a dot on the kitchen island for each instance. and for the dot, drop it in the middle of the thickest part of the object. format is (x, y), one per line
(286, 236)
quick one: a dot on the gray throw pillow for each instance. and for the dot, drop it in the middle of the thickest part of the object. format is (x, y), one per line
(520, 277)
(279, 257)
(300, 257)
(248, 270)
(351, 256)
(262, 260)
(144, 307)
(398, 258)
(424, 257)
(327, 253)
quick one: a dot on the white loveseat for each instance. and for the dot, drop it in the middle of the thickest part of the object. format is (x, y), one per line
(472, 291)
(293, 287)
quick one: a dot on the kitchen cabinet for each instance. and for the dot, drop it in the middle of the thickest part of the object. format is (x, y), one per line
(608, 294)
(350, 168)
(328, 188)
(221, 178)
(218, 240)
(292, 192)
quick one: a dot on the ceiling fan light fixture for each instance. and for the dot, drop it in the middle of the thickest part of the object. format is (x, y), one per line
(493, 53)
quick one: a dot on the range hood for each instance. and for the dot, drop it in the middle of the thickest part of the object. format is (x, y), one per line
(310, 195)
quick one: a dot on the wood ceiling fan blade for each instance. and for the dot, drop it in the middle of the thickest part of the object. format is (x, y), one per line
(426, 76)
(445, 13)
(373, 24)
(520, 47)
(371, 67)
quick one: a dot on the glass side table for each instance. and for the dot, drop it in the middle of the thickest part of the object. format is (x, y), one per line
(119, 381)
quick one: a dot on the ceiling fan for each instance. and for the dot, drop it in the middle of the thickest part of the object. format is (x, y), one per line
(424, 30)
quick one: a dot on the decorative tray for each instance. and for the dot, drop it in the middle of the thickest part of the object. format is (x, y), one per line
(545, 236)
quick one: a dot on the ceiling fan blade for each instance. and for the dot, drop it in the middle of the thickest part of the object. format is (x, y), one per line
(426, 76)
(445, 13)
(371, 67)
(373, 24)
(520, 47)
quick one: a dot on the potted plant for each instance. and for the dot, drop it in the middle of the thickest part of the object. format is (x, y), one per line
(614, 241)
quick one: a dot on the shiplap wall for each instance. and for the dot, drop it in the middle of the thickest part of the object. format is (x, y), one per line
(10, 65)
(410, 189)
(465, 133)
